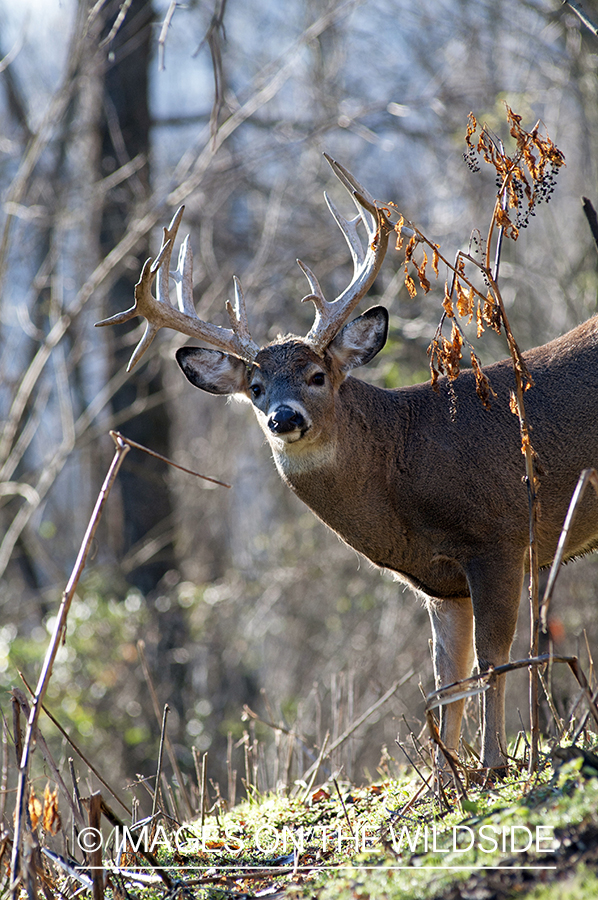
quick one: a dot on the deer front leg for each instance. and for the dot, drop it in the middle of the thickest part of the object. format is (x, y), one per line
(495, 592)
(452, 650)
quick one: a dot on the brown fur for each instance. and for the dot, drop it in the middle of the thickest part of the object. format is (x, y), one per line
(430, 485)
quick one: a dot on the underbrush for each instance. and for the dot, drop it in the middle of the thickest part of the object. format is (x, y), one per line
(533, 837)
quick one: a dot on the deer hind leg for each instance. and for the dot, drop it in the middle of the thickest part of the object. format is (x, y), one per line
(495, 592)
(452, 651)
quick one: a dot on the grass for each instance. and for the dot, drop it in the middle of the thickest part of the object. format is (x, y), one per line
(531, 839)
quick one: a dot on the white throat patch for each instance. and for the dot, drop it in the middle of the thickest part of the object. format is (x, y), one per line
(300, 458)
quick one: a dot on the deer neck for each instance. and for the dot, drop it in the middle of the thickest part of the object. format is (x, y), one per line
(337, 473)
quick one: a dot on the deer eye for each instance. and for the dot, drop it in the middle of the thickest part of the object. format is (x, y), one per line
(318, 379)
(256, 390)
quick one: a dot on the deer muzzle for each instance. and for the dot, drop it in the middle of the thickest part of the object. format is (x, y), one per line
(285, 419)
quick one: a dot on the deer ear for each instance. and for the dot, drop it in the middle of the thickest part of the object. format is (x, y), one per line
(359, 341)
(213, 371)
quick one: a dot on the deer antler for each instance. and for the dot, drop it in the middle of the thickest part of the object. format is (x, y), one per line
(331, 315)
(160, 312)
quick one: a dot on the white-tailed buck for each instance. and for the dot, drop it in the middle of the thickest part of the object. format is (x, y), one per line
(426, 484)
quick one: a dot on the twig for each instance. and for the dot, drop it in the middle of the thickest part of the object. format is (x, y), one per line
(77, 750)
(124, 8)
(4, 782)
(340, 797)
(585, 717)
(95, 856)
(586, 477)
(12, 54)
(412, 800)
(247, 755)
(582, 15)
(163, 34)
(203, 788)
(158, 714)
(316, 767)
(557, 719)
(448, 754)
(590, 214)
(16, 727)
(349, 731)
(289, 758)
(40, 742)
(76, 801)
(118, 823)
(165, 459)
(71, 870)
(160, 754)
(57, 637)
(470, 686)
(212, 37)
(195, 753)
(426, 782)
(231, 773)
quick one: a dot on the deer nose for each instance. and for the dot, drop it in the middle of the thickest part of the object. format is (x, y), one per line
(285, 419)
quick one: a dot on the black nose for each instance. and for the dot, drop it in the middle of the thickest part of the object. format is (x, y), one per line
(284, 420)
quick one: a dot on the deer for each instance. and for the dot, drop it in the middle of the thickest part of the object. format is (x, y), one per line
(424, 482)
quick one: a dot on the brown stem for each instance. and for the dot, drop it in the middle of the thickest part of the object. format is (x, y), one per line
(57, 637)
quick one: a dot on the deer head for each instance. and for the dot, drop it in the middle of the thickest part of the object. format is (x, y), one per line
(330, 316)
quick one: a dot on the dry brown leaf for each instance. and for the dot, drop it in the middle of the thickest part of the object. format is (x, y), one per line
(410, 247)
(35, 810)
(503, 221)
(433, 353)
(482, 384)
(51, 822)
(479, 321)
(447, 303)
(464, 301)
(410, 284)
(399, 231)
(471, 129)
(421, 273)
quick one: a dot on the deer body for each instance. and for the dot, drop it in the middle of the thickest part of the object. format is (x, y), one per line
(426, 484)
(422, 482)
(430, 484)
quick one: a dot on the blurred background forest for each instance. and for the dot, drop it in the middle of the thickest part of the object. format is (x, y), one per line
(112, 115)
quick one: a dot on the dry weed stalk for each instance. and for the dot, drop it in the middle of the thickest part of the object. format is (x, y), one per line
(57, 637)
(476, 684)
(524, 180)
(588, 476)
(20, 850)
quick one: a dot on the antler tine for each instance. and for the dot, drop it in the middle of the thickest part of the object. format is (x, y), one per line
(237, 315)
(348, 181)
(183, 279)
(168, 239)
(160, 313)
(317, 295)
(349, 230)
(363, 200)
(331, 316)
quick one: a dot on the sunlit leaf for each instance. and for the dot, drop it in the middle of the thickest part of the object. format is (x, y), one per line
(35, 810)
(51, 822)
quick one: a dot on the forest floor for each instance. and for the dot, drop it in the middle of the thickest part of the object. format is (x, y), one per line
(518, 837)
